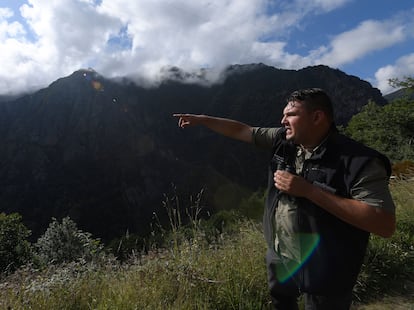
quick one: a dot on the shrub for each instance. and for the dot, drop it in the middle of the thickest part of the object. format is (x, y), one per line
(388, 129)
(64, 242)
(15, 250)
(252, 207)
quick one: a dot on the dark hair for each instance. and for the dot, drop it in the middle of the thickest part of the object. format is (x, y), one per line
(314, 99)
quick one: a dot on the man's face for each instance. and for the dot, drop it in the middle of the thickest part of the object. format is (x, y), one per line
(298, 122)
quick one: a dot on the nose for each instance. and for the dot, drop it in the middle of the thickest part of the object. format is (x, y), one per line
(283, 120)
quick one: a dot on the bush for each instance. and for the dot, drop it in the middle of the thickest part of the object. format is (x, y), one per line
(252, 207)
(15, 250)
(64, 242)
(388, 129)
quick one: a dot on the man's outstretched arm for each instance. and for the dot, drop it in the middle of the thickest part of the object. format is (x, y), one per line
(226, 127)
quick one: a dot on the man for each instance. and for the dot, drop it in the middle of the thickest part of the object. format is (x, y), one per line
(326, 194)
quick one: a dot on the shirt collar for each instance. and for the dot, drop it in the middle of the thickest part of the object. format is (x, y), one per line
(320, 149)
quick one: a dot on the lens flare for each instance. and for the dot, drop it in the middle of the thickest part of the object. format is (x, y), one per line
(288, 268)
(97, 85)
(91, 76)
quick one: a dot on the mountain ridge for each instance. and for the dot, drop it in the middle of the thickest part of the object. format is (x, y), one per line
(106, 152)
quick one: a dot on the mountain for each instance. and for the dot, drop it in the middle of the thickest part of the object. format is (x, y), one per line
(108, 152)
(400, 94)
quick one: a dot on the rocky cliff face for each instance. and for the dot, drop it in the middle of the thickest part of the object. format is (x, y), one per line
(105, 152)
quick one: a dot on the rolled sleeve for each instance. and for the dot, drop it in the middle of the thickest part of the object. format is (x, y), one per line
(372, 188)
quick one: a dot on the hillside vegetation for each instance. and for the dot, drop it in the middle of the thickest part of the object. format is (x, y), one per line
(204, 262)
(204, 266)
(105, 155)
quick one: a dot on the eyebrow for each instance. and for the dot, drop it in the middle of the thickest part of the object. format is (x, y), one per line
(290, 113)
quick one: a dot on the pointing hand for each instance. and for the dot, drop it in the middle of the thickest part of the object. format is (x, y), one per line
(185, 120)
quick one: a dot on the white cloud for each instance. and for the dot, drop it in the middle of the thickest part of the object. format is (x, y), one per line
(403, 67)
(125, 37)
(369, 36)
(121, 37)
(67, 34)
(74, 30)
(191, 34)
(5, 13)
(322, 5)
(329, 5)
(7, 29)
(72, 34)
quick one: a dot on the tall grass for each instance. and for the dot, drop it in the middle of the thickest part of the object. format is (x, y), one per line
(389, 263)
(195, 271)
(201, 267)
(225, 275)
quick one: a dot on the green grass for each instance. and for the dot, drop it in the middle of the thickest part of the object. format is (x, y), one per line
(229, 274)
(387, 276)
(204, 268)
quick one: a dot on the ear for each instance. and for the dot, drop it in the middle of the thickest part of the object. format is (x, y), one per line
(318, 116)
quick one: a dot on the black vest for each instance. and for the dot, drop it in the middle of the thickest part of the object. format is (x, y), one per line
(335, 261)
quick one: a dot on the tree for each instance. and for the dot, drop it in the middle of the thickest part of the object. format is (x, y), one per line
(15, 250)
(364, 127)
(388, 129)
(64, 242)
(406, 82)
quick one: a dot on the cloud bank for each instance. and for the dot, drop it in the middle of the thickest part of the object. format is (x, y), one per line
(44, 40)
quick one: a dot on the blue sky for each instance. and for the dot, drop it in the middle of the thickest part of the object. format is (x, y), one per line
(41, 41)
